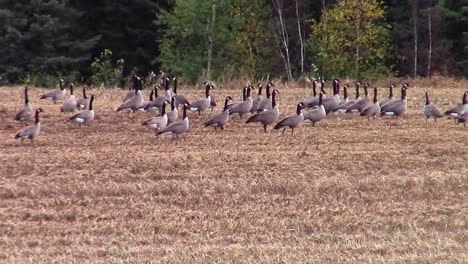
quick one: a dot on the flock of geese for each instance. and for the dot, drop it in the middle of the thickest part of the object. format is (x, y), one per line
(263, 109)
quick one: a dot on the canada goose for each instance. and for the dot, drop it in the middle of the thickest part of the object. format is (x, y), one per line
(316, 114)
(213, 102)
(30, 132)
(293, 121)
(314, 98)
(56, 94)
(267, 117)
(25, 113)
(177, 128)
(84, 117)
(360, 104)
(134, 102)
(385, 101)
(331, 103)
(219, 119)
(396, 107)
(70, 105)
(244, 106)
(83, 102)
(201, 105)
(158, 122)
(180, 99)
(463, 118)
(257, 100)
(458, 110)
(372, 109)
(431, 110)
(343, 106)
(313, 103)
(143, 107)
(244, 94)
(173, 114)
(266, 103)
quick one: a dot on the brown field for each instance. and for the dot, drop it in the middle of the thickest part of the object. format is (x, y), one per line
(345, 191)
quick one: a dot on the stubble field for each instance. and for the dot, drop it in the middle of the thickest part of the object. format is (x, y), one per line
(347, 190)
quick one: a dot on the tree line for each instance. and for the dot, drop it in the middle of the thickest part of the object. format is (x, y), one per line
(86, 40)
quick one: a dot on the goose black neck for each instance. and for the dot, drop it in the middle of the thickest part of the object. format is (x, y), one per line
(391, 92)
(403, 93)
(71, 89)
(260, 90)
(249, 89)
(314, 88)
(366, 92)
(151, 95)
(273, 100)
(427, 98)
(166, 84)
(322, 86)
(185, 111)
(84, 93)
(163, 111)
(268, 92)
(337, 89)
(345, 92)
(156, 92)
(226, 104)
(244, 92)
(172, 103)
(357, 91)
(37, 116)
(26, 99)
(207, 90)
(175, 85)
(91, 103)
(298, 109)
(320, 98)
(375, 95)
(465, 98)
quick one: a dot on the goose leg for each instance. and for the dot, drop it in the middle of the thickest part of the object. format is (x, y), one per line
(292, 131)
(265, 128)
(284, 129)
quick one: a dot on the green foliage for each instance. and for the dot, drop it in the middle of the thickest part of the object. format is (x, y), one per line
(105, 71)
(352, 40)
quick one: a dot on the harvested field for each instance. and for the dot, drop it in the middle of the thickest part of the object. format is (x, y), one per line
(347, 190)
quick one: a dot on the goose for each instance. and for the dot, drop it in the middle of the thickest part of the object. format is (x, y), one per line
(173, 114)
(30, 132)
(458, 110)
(202, 104)
(143, 106)
(177, 128)
(219, 119)
(84, 117)
(316, 114)
(311, 99)
(70, 105)
(360, 104)
(134, 102)
(244, 106)
(343, 106)
(463, 118)
(372, 109)
(431, 110)
(313, 103)
(244, 94)
(257, 100)
(396, 107)
(131, 91)
(266, 103)
(213, 103)
(56, 94)
(158, 122)
(292, 121)
(25, 113)
(83, 102)
(267, 117)
(385, 101)
(331, 103)
(180, 99)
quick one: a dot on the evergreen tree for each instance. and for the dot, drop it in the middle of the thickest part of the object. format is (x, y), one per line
(38, 36)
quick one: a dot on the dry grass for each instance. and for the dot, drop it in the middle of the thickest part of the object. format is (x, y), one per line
(347, 190)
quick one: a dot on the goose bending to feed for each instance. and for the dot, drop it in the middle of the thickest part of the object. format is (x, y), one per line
(83, 102)
(177, 128)
(257, 100)
(293, 121)
(30, 132)
(143, 107)
(25, 113)
(266, 103)
(267, 117)
(70, 105)
(396, 107)
(360, 104)
(316, 114)
(134, 102)
(180, 99)
(244, 106)
(56, 94)
(385, 101)
(84, 117)
(219, 119)
(430, 110)
(158, 122)
(202, 104)
(458, 110)
(372, 110)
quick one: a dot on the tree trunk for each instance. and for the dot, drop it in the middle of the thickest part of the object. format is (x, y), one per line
(301, 40)
(429, 53)
(415, 35)
(284, 37)
(210, 41)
